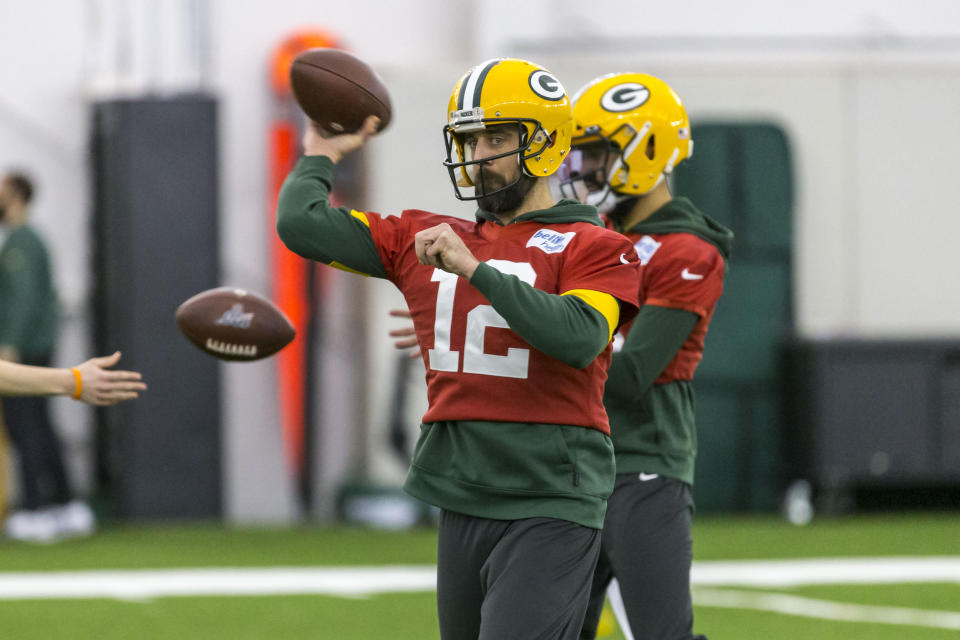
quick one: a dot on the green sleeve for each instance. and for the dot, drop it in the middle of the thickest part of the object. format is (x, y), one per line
(563, 327)
(22, 268)
(312, 228)
(655, 338)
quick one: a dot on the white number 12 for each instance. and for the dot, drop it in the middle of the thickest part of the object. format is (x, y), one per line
(512, 365)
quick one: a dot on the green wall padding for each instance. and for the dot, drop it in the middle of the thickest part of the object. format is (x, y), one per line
(741, 174)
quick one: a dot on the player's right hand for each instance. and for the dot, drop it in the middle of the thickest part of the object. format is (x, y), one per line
(407, 335)
(439, 246)
(316, 142)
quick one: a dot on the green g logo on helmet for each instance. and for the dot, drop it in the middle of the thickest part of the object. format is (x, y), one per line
(624, 97)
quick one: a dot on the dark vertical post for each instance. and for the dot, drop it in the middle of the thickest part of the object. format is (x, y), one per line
(155, 244)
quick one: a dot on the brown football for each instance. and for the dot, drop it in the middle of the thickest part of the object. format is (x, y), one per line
(233, 324)
(338, 90)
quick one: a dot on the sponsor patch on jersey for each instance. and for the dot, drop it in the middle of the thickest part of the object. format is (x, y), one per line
(646, 247)
(550, 241)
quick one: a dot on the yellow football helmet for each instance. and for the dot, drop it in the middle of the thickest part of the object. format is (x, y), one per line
(641, 124)
(508, 91)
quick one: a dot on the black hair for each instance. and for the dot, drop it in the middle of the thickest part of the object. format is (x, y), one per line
(21, 184)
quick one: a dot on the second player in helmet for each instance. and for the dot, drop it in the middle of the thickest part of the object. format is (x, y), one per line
(630, 131)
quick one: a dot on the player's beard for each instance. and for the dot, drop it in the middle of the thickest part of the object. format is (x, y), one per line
(502, 198)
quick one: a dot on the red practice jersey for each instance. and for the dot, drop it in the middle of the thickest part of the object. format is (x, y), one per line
(479, 369)
(680, 271)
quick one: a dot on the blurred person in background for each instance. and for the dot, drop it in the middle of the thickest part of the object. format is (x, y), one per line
(630, 131)
(514, 446)
(28, 332)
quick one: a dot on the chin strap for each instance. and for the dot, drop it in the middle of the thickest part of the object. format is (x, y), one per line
(604, 200)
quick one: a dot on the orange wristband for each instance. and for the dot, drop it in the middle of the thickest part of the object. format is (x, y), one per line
(79, 388)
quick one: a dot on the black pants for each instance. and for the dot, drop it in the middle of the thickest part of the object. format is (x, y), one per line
(647, 546)
(43, 479)
(513, 579)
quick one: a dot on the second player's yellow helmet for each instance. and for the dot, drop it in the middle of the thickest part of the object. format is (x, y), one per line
(644, 122)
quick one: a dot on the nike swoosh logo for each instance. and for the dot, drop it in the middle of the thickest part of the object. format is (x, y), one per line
(644, 477)
(686, 275)
(623, 258)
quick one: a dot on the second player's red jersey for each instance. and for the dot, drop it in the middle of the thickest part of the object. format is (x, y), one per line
(680, 271)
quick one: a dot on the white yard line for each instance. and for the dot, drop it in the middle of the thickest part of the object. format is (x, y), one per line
(135, 584)
(138, 584)
(794, 573)
(824, 609)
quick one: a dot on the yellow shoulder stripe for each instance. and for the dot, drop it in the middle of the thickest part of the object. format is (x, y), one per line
(360, 215)
(337, 265)
(605, 303)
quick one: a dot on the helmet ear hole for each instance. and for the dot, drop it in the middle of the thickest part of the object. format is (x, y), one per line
(651, 147)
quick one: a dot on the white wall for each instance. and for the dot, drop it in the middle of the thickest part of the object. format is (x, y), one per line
(867, 90)
(906, 214)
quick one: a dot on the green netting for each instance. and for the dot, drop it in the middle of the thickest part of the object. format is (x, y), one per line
(750, 323)
(741, 175)
(738, 461)
(719, 472)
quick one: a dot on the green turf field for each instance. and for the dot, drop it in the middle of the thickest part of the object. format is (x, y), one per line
(933, 606)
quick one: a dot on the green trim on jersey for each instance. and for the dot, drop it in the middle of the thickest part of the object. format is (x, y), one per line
(510, 470)
(312, 228)
(656, 432)
(577, 334)
(563, 212)
(681, 216)
(656, 335)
